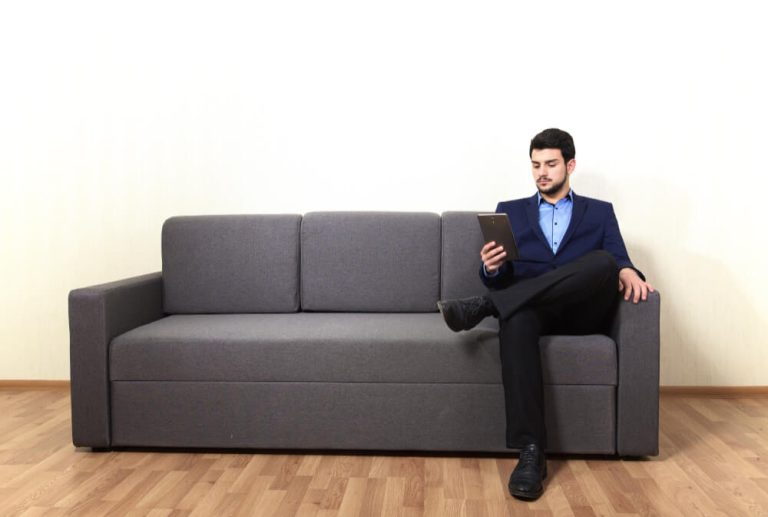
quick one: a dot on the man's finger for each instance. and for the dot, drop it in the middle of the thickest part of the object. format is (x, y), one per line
(650, 287)
(496, 251)
(627, 291)
(495, 261)
(644, 291)
(493, 258)
(636, 297)
(485, 254)
(621, 286)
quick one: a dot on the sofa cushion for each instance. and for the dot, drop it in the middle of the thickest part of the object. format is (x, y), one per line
(344, 347)
(370, 261)
(231, 263)
(460, 261)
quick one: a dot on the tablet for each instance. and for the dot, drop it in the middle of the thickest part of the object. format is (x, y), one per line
(496, 227)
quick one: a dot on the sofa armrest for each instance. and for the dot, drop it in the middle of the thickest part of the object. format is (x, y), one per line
(636, 332)
(96, 315)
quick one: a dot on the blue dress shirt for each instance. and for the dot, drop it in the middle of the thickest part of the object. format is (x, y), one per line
(553, 220)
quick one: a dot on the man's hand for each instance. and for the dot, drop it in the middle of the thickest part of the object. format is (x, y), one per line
(633, 286)
(493, 256)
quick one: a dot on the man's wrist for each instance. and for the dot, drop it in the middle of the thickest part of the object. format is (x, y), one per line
(488, 274)
(628, 268)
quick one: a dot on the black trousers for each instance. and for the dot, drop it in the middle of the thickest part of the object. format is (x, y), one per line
(577, 298)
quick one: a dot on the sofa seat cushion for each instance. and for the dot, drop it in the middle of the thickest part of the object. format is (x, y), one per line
(340, 347)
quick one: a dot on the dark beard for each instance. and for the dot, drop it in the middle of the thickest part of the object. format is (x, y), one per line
(554, 188)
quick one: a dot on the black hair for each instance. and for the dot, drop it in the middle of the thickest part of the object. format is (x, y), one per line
(554, 138)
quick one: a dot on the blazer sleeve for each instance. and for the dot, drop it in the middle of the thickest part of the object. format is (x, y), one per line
(505, 278)
(614, 244)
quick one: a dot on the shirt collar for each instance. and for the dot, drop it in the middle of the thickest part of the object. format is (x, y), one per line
(540, 199)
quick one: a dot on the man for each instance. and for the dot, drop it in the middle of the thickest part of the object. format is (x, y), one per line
(572, 258)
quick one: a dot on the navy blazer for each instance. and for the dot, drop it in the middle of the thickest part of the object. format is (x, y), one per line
(593, 226)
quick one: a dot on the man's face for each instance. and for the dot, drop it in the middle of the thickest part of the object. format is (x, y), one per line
(550, 172)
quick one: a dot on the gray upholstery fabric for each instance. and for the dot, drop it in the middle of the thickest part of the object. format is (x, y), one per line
(343, 347)
(460, 264)
(581, 419)
(370, 261)
(636, 332)
(447, 417)
(231, 263)
(96, 315)
(589, 359)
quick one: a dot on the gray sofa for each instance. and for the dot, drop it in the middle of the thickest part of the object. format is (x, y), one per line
(321, 332)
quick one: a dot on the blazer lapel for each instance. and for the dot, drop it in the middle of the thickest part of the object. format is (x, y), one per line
(532, 210)
(579, 208)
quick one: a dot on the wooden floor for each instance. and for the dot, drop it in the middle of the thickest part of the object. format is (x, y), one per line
(713, 461)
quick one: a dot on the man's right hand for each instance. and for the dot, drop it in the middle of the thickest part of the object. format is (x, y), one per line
(493, 256)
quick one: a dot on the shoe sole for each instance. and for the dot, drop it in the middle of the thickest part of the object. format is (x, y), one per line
(441, 308)
(526, 496)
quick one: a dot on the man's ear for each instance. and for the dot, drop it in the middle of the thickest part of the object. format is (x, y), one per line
(570, 165)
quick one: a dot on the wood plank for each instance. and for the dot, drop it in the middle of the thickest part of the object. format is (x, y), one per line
(716, 391)
(30, 384)
(713, 461)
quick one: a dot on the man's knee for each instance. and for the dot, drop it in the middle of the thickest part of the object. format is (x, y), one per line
(602, 261)
(603, 257)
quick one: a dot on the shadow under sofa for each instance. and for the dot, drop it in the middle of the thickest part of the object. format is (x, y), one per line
(321, 332)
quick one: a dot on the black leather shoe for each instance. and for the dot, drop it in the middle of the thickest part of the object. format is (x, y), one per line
(531, 470)
(465, 313)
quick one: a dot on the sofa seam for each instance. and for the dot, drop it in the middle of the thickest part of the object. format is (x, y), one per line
(186, 381)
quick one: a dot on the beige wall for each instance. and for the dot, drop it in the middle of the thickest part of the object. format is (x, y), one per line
(115, 118)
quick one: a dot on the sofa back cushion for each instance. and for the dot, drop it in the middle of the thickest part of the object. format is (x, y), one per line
(231, 264)
(370, 261)
(462, 240)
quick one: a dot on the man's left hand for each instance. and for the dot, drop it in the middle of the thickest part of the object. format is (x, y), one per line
(633, 286)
